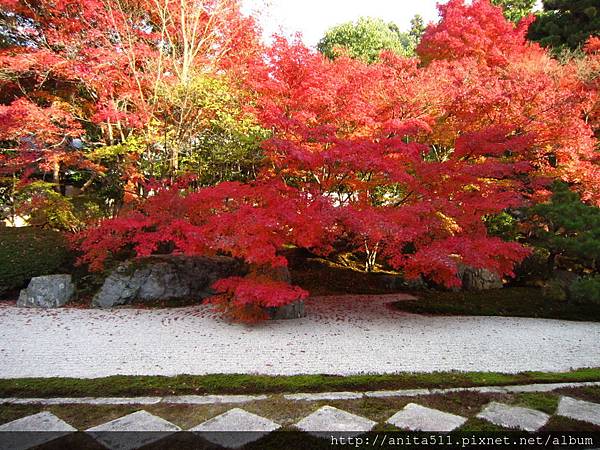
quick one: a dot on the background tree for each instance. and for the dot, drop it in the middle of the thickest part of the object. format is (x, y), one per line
(515, 10)
(365, 39)
(566, 23)
(417, 28)
(106, 94)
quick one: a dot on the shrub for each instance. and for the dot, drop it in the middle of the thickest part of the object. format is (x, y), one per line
(586, 290)
(29, 252)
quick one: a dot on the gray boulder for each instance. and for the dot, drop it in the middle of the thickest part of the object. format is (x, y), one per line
(50, 291)
(165, 278)
(294, 310)
(479, 279)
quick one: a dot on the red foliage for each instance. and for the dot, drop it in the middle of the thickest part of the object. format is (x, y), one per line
(99, 63)
(270, 294)
(400, 160)
(477, 30)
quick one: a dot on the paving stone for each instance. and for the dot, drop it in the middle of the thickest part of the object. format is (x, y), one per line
(235, 428)
(514, 416)
(419, 418)
(324, 396)
(543, 387)
(399, 393)
(212, 399)
(448, 390)
(489, 390)
(329, 421)
(579, 410)
(83, 401)
(32, 431)
(132, 431)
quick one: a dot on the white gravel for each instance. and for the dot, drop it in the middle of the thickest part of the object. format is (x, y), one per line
(341, 335)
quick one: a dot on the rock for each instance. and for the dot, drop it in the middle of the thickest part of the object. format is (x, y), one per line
(165, 278)
(397, 283)
(292, 311)
(478, 279)
(49, 291)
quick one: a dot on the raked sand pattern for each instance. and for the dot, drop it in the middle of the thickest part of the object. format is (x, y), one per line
(341, 335)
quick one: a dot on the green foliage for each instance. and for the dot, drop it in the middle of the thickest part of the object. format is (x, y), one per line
(29, 252)
(207, 128)
(503, 225)
(566, 23)
(568, 228)
(515, 10)
(555, 290)
(47, 208)
(534, 268)
(586, 290)
(366, 38)
(417, 28)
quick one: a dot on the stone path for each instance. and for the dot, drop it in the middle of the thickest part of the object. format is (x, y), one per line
(300, 397)
(341, 335)
(238, 427)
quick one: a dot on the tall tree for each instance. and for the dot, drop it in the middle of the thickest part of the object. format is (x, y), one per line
(566, 23)
(400, 160)
(417, 28)
(515, 10)
(118, 90)
(365, 39)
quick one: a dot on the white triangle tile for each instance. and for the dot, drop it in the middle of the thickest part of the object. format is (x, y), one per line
(235, 428)
(32, 431)
(328, 421)
(132, 431)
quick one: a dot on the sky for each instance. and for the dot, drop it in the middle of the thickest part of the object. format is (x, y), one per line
(313, 17)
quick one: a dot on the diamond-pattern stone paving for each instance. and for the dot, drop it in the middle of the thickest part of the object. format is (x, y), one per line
(237, 427)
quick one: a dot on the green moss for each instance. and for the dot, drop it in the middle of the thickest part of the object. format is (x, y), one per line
(257, 384)
(542, 402)
(509, 302)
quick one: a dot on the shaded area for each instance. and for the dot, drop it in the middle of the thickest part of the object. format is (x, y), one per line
(507, 302)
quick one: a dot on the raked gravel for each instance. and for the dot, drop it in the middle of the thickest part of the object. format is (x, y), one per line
(341, 335)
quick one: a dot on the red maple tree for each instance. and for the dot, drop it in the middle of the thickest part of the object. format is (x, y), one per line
(401, 160)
